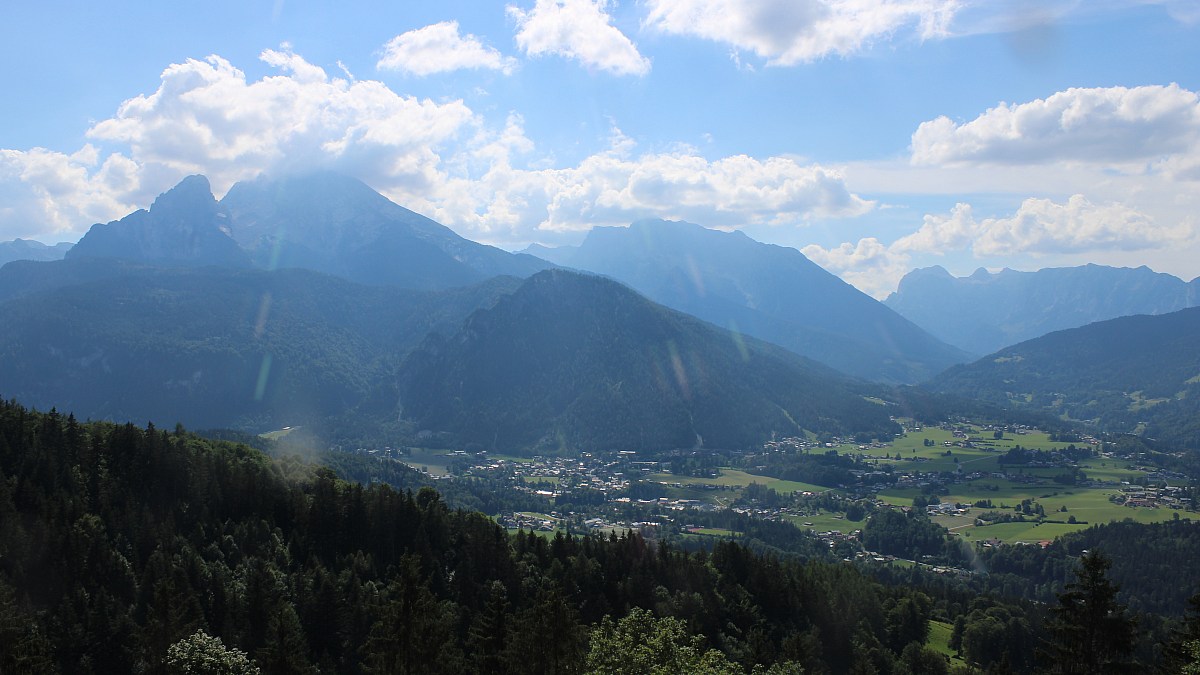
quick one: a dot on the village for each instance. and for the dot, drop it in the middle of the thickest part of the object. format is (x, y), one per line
(962, 476)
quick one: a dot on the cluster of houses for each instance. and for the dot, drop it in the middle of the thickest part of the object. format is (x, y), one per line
(1169, 497)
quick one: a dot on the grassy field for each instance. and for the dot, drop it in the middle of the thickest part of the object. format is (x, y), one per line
(825, 522)
(732, 478)
(939, 641)
(712, 531)
(278, 434)
(1089, 506)
(433, 461)
(541, 533)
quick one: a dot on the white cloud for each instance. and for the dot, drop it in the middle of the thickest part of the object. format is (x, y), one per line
(787, 32)
(577, 29)
(613, 188)
(207, 118)
(1043, 227)
(942, 233)
(1115, 125)
(440, 159)
(439, 48)
(869, 265)
(51, 195)
(1039, 228)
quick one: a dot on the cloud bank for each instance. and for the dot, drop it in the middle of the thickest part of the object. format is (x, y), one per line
(439, 158)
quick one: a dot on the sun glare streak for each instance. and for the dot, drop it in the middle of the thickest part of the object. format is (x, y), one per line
(264, 311)
(264, 373)
(738, 340)
(680, 373)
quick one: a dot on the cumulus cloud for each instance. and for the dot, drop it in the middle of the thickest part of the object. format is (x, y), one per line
(438, 158)
(787, 32)
(207, 118)
(439, 48)
(1043, 227)
(1113, 125)
(941, 233)
(869, 265)
(614, 188)
(580, 30)
(50, 194)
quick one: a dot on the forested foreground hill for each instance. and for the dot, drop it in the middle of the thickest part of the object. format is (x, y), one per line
(117, 543)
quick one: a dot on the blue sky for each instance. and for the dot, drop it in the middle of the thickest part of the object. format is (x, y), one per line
(876, 136)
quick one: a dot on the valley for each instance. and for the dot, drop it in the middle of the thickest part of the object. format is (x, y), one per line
(961, 475)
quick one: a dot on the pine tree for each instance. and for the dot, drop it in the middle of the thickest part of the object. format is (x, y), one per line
(1090, 632)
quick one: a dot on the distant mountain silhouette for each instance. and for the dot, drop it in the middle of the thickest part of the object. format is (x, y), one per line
(771, 292)
(1130, 374)
(27, 249)
(324, 222)
(987, 311)
(579, 361)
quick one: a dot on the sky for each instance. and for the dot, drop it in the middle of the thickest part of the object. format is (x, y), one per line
(876, 136)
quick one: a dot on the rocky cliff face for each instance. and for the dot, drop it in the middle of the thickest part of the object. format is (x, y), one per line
(185, 226)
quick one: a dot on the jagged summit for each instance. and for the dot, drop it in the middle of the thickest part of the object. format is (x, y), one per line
(184, 226)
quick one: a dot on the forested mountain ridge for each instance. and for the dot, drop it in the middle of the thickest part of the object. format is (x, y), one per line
(213, 347)
(117, 542)
(1133, 374)
(987, 311)
(582, 361)
(771, 292)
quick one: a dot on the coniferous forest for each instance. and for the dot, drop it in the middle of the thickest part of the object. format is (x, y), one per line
(125, 549)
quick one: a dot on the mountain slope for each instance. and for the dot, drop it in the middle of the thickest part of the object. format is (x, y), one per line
(771, 292)
(184, 226)
(987, 311)
(583, 362)
(337, 225)
(214, 347)
(1131, 374)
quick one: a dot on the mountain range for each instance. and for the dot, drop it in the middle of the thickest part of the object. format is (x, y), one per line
(580, 359)
(213, 347)
(1134, 374)
(27, 249)
(314, 300)
(987, 311)
(322, 221)
(771, 292)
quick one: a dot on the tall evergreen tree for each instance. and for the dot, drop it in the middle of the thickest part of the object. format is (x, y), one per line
(1090, 632)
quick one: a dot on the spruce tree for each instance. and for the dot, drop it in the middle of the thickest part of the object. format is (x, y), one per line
(1090, 632)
